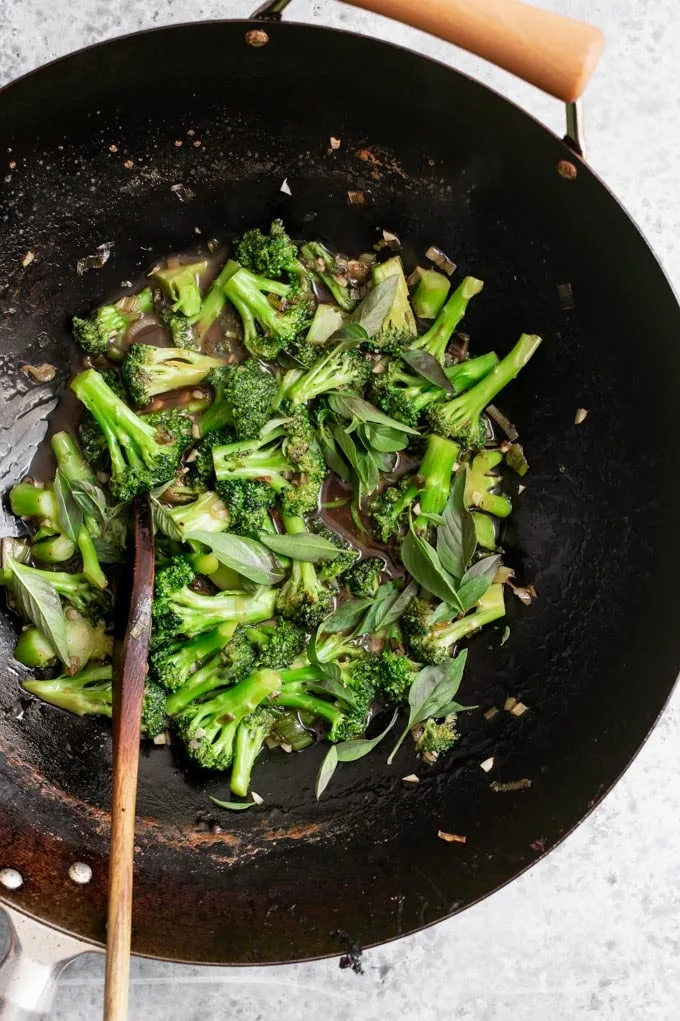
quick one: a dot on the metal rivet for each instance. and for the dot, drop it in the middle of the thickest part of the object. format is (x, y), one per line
(567, 170)
(11, 879)
(257, 37)
(80, 872)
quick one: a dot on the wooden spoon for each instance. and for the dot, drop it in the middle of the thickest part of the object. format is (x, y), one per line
(128, 692)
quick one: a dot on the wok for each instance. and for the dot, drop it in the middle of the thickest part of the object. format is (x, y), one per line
(95, 143)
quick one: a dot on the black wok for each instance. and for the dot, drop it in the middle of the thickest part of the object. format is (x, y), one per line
(95, 143)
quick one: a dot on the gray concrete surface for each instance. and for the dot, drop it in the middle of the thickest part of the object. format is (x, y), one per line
(594, 930)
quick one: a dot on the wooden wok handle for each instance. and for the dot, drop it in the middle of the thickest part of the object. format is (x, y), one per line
(129, 679)
(556, 53)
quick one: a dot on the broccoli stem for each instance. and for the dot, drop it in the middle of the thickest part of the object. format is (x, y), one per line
(430, 294)
(28, 501)
(326, 268)
(247, 746)
(491, 607)
(505, 371)
(202, 682)
(86, 693)
(485, 530)
(292, 699)
(467, 374)
(436, 470)
(56, 549)
(437, 338)
(34, 650)
(214, 301)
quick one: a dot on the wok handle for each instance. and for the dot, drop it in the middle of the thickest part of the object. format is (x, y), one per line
(553, 52)
(28, 976)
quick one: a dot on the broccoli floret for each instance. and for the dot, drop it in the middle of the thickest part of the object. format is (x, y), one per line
(178, 609)
(433, 739)
(230, 663)
(205, 514)
(250, 738)
(338, 369)
(437, 338)
(209, 728)
(173, 663)
(268, 255)
(433, 643)
(85, 642)
(431, 483)
(461, 417)
(260, 459)
(189, 331)
(92, 439)
(49, 546)
(398, 328)
(363, 577)
(200, 466)
(388, 675)
(102, 332)
(430, 294)
(405, 397)
(153, 710)
(303, 690)
(278, 326)
(480, 483)
(248, 503)
(90, 693)
(302, 449)
(329, 570)
(182, 286)
(302, 598)
(88, 601)
(77, 471)
(149, 370)
(244, 398)
(144, 452)
(278, 643)
(325, 266)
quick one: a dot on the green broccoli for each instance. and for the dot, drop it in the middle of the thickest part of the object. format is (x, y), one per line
(461, 418)
(208, 729)
(363, 577)
(103, 332)
(278, 644)
(173, 663)
(82, 479)
(269, 255)
(182, 284)
(149, 370)
(388, 675)
(405, 397)
(278, 326)
(178, 609)
(325, 266)
(329, 570)
(144, 452)
(191, 331)
(250, 737)
(398, 329)
(436, 340)
(244, 398)
(433, 643)
(432, 739)
(303, 689)
(480, 483)
(249, 503)
(340, 368)
(50, 545)
(302, 598)
(228, 665)
(205, 514)
(85, 642)
(431, 292)
(87, 600)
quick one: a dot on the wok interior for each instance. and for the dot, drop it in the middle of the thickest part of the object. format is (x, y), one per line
(96, 143)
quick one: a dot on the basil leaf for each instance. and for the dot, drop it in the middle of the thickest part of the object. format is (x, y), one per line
(243, 555)
(163, 522)
(39, 601)
(303, 546)
(347, 751)
(427, 366)
(372, 311)
(328, 767)
(395, 610)
(445, 611)
(350, 331)
(432, 518)
(431, 694)
(383, 438)
(386, 595)
(347, 616)
(332, 685)
(91, 499)
(108, 552)
(456, 538)
(477, 580)
(70, 514)
(332, 458)
(423, 564)
(351, 406)
(232, 806)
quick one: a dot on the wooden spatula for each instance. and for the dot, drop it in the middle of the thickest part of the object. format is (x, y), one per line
(128, 691)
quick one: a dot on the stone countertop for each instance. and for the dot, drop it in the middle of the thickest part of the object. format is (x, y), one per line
(593, 931)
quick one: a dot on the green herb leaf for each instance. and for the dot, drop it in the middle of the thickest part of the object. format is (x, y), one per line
(353, 331)
(163, 522)
(328, 767)
(477, 579)
(372, 311)
(304, 546)
(431, 694)
(423, 564)
(347, 615)
(39, 601)
(456, 538)
(350, 406)
(506, 635)
(427, 366)
(243, 555)
(70, 514)
(108, 552)
(386, 595)
(91, 499)
(331, 685)
(397, 607)
(347, 751)
(383, 438)
(232, 806)
(332, 457)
